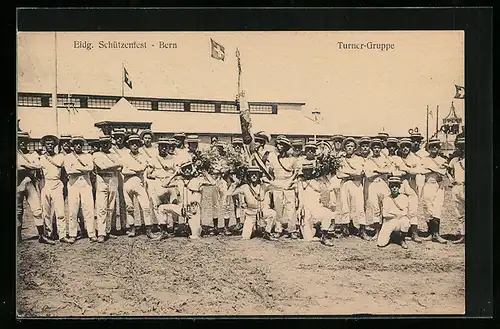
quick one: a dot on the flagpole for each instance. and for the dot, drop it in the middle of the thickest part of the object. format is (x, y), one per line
(437, 120)
(54, 92)
(427, 126)
(123, 78)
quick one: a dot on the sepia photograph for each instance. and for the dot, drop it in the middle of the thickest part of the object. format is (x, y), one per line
(240, 173)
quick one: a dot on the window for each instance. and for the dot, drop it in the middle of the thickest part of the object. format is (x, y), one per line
(202, 107)
(29, 101)
(62, 101)
(141, 105)
(170, 106)
(261, 109)
(101, 103)
(228, 108)
(32, 146)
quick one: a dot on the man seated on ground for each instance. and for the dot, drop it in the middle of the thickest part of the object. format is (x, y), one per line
(312, 212)
(190, 185)
(257, 212)
(395, 215)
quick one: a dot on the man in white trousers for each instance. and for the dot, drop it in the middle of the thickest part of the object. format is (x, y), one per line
(52, 191)
(457, 170)
(351, 174)
(134, 165)
(283, 167)
(377, 169)
(161, 168)
(395, 215)
(407, 167)
(417, 153)
(337, 153)
(108, 166)
(78, 166)
(434, 170)
(28, 187)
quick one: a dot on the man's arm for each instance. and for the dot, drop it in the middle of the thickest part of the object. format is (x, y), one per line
(103, 163)
(89, 164)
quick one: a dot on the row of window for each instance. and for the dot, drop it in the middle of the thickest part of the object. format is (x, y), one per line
(36, 145)
(107, 103)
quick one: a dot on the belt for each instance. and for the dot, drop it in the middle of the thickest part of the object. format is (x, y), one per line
(105, 174)
(76, 174)
(458, 183)
(351, 178)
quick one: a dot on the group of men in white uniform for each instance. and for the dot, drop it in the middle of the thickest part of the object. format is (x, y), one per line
(380, 183)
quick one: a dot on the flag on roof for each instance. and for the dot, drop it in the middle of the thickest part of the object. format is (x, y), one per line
(217, 50)
(127, 78)
(459, 92)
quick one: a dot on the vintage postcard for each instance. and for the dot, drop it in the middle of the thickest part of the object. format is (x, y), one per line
(240, 173)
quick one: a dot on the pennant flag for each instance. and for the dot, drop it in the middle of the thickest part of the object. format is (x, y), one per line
(217, 50)
(460, 92)
(126, 78)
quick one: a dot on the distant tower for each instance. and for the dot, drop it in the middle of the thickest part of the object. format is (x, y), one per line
(451, 127)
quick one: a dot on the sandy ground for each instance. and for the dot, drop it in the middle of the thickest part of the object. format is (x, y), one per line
(227, 276)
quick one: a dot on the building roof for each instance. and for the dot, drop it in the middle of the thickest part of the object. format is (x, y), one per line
(40, 121)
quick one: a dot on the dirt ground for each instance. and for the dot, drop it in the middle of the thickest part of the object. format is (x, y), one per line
(227, 276)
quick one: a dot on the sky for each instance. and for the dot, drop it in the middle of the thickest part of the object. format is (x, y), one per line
(360, 91)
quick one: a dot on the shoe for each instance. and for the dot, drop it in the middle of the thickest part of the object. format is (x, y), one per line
(276, 235)
(70, 240)
(101, 239)
(268, 236)
(46, 240)
(194, 237)
(362, 233)
(238, 227)
(414, 234)
(377, 230)
(227, 232)
(112, 236)
(151, 235)
(403, 240)
(430, 230)
(345, 230)
(460, 240)
(437, 237)
(325, 240)
(93, 239)
(332, 228)
(315, 239)
(131, 232)
(293, 236)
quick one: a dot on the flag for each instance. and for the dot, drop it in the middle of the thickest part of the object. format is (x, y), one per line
(126, 78)
(217, 50)
(460, 92)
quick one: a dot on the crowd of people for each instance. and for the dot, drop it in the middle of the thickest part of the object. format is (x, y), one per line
(371, 187)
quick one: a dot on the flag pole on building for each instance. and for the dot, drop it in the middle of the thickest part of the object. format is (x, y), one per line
(427, 126)
(123, 79)
(54, 92)
(437, 120)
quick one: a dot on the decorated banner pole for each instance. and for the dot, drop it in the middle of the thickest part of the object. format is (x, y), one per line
(243, 108)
